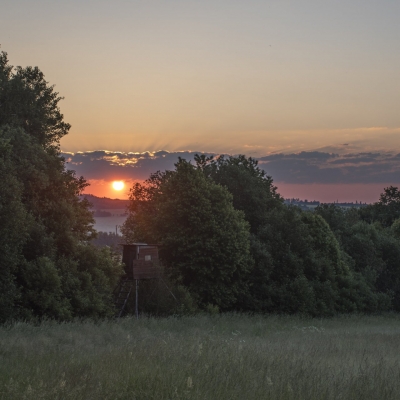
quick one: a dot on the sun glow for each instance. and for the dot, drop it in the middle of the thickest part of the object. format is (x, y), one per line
(118, 185)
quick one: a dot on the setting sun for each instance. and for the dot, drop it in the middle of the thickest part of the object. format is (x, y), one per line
(118, 185)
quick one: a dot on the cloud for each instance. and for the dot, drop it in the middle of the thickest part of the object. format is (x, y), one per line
(108, 165)
(306, 167)
(319, 167)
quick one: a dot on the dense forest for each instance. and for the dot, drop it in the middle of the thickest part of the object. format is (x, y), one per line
(228, 238)
(228, 241)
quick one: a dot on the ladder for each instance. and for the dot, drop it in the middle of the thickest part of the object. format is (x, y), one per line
(122, 294)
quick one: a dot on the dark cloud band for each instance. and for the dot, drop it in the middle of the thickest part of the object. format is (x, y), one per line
(304, 167)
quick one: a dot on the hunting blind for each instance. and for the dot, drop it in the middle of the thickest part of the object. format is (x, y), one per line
(140, 262)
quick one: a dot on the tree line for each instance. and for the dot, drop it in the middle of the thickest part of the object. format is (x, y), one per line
(228, 241)
(228, 238)
(48, 266)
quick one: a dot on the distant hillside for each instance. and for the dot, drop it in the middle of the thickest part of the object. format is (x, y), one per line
(101, 203)
(310, 205)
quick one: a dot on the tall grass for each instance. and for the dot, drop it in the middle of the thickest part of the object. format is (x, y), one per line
(203, 357)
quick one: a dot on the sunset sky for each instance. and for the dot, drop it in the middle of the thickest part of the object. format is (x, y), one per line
(310, 88)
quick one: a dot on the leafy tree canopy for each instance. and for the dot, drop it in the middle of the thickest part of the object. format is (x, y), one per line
(252, 189)
(386, 210)
(27, 101)
(370, 250)
(45, 228)
(205, 241)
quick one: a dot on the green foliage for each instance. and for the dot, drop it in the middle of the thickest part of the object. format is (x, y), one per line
(338, 219)
(287, 255)
(298, 265)
(386, 210)
(27, 101)
(313, 263)
(371, 253)
(228, 241)
(58, 274)
(89, 278)
(395, 229)
(252, 189)
(48, 268)
(109, 239)
(13, 230)
(205, 241)
(42, 294)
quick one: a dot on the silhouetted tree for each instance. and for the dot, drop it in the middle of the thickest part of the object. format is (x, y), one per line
(205, 241)
(252, 189)
(45, 257)
(386, 210)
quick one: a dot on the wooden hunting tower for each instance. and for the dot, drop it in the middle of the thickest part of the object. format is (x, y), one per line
(141, 261)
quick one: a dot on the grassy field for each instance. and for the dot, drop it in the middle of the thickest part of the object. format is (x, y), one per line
(203, 357)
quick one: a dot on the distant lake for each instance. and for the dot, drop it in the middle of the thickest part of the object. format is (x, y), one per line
(108, 224)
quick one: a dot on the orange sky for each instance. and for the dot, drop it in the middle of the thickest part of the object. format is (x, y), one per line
(223, 76)
(103, 188)
(368, 193)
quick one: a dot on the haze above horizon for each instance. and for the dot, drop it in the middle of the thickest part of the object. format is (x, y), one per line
(256, 78)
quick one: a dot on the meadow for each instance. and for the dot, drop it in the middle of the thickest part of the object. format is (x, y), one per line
(203, 357)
